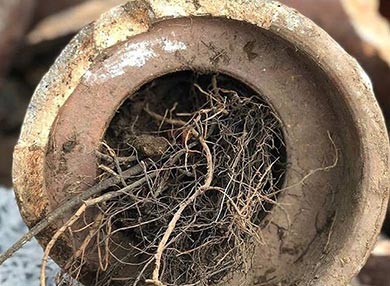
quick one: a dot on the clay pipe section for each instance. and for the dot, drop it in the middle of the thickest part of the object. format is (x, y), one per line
(336, 190)
(362, 31)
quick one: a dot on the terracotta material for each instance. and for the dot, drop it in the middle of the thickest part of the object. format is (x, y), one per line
(336, 185)
(361, 30)
(376, 271)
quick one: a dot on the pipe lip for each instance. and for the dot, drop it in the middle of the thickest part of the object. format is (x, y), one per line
(113, 27)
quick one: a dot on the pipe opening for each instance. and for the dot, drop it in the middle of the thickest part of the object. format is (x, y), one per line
(213, 154)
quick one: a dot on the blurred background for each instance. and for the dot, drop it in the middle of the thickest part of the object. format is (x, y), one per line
(34, 32)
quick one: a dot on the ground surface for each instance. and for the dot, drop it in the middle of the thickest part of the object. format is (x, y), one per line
(24, 267)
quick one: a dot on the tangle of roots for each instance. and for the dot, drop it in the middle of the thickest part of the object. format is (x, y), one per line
(213, 161)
